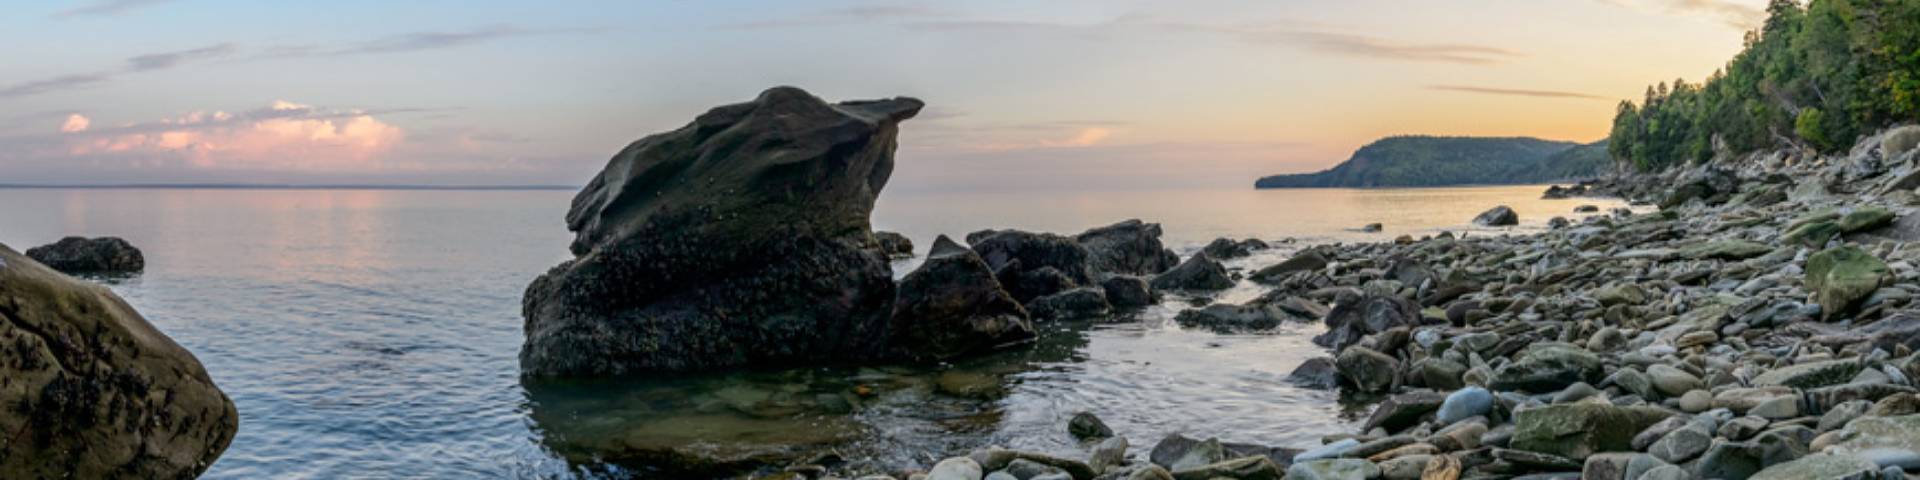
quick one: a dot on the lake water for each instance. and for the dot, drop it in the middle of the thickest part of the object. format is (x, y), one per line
(375, 333)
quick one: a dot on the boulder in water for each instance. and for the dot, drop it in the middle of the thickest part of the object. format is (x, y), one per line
(1200, 272)
(93, 390)
(1500, 216)
(1354, 318)
(740, 239)
(1018, 255)
(81, 255)
(1131, 247)
(952, 306)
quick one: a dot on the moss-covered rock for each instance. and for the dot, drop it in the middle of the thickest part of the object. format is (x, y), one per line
(1842, 276)
(1865, 218)
(1577, 430)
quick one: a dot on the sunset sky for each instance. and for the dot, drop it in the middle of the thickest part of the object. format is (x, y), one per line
(1021, 94)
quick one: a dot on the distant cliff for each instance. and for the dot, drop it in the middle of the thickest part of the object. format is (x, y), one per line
(1423, 161)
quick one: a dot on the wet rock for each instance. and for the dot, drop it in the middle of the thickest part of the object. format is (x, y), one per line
(952, 306)
(1085, 426)
(1465, 403)
(1125, 291)
(1372, 228)
(1841, 277)
(81, 255)
(998, 458)
(1316, 373)
(1302, 262)
(957, 468)
(1109, 455)
(1224, 248)
(1548, 367)
(893, 244)
(1354, 319)
(93, 390)
(1500, 216)
(1075, 304)
(1586, 209)
(1558, 222)
(1367, 370)
(1404, 410)
(1032, 265)
(687, 258)
(1130, 247)
(1199, 273)
(1226, 318)
(1333, 469)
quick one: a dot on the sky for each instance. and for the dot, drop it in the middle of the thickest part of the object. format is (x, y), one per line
(1020, 94)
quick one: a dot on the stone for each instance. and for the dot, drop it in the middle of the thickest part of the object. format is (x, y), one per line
(1742, 428)
(1228, 318)
(1536, 460)
(1198, 273)
(81, 255)
(1330, 450)
(1777, 408)
(1672, 382)
(1696, 401)
(1075, 304)
(1401, 411)
(893, 244)
(1666, 472)
(956, 468)
(1355, 318)
(1131, 247)
(1841, 414)
(1245, 468)
(1226, 248)
(1813, 234)
(1682, 444)
(1027, 469)
(1317, 373)
(1408, 467)
(1724, 250)
(1899, 141)
(93, 390)
(1204, 453)
(1872, 432)
(1865, 218)
(1367, 370)
(1810, 375)
(1442, 467)
(687, 255)
(1621, 294)
(1607, 466)
(1576, 392)
(1548, 367)
(1302, 262)
(1463, 404)
(1333, 469)
(1442, 374)
(1743, 459)
(1577, 430)
(1085, 426)
(1500, 216)
(1127, 291)
(1110, 454)
(952, 306)
(998, 458)
(1840, 277)
(1835, 467)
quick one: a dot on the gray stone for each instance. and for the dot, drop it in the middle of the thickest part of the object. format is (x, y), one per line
(1465, 403)
(1333, 469)
(1367, 370)
(1548, 367)
(1683, 444)
(1672, 382)
(81, 255)
(1824, 467)
(1198, 273)
(1331, 450)
(1086, 426)
(1247, 468)
(956, 468)
(1500, 216)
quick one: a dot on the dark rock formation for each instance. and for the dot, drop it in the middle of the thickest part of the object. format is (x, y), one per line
(1226, 248)
(1076, 304)
(893, 244)
(78, 255)
(1197, 273)
(1020, 258)
(739, 239)
(1500, 216)
(1131, 247)
(1126, 291)
(1354, 318)
(952, 306)
(93, 390)
(1228, 318)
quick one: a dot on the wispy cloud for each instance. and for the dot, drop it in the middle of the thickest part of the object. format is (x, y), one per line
(1739, 15)
(55, 84)
(98, 8)
(1284, 33)
(1512, 92)
(838, 16)
(136, 64)
(156, 61)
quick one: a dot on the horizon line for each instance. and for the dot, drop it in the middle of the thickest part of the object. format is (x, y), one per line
(274, 186)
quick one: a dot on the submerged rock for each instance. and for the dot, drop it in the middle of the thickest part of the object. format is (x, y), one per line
(952, 306)
(93, 390)
(80, 255)
(740, 239)
(1228, 318)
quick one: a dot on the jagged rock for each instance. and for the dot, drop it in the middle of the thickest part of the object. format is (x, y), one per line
(1841, 277)
(80, 255)
(1017, 256)
(1225, 248)
(893, 244)
(1130, 247)
(1126, 291)
(1317, 373)
(1353, 319)
(1500, 216)
(1367, 370)
(93, 390)
(1075, 304)
(1197, 273)
(1086, 426)
(952, 306)
(1229, 318)
(740, 239)
(1302, 262)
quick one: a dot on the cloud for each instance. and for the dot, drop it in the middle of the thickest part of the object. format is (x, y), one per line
(136, 64)
(100, 8)
(283, 136)
(418, 41)
(1731, 13)
(75, 123)
(840, 16)
(1087, 137)
(1284, 33)
(1512, 92)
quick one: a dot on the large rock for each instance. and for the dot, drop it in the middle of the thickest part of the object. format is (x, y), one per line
(1500, 216)
(1230, 318)
(1200, 272)
(1354, 318)
(893, 244)
(952, 306)
(1367, 370)
(740, 239)
(1577, 430)
(1841, 277)
(1302, 262)
(1226, 248)
(94, 391)
(1019, 257)
(1131, 247)
(1548, 367)
(79, 255)
(1834, 467)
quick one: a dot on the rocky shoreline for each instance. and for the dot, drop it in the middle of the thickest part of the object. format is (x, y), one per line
(1759, 325)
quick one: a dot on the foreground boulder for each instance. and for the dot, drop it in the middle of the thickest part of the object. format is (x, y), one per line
(93, 390)
(952, 306)
(79, 255)
(740, 239)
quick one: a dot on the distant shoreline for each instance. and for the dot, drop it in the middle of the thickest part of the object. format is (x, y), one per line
(254, 186)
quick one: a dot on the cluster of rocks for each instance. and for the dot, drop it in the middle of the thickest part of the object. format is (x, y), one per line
(82, 255)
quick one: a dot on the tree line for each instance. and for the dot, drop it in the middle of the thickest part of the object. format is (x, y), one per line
(1815, 77)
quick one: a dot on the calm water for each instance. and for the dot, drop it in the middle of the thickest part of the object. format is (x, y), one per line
(368, 333)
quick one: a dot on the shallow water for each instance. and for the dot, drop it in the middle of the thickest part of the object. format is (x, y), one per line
(375, 332)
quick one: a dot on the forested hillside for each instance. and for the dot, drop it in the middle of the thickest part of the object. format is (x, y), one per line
(1817, 76)
(1424, 161)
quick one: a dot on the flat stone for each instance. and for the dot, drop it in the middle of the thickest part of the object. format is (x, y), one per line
(1836, 467)
(1404, 410)
(1578, 430)
(1548, 367)
(1248, 468)
(1683, 444)
(1367, 370)
(1333, 469)
(1672, 382)
(956, 468)
(1465, 403)
(1811, 375)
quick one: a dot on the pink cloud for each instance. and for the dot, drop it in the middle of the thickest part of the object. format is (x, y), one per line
(75, 123)
(285, 135)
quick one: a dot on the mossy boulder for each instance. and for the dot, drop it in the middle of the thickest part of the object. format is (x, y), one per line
(1840, 277)
(1865, 218)
(1578, 430)
(1724, 250)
